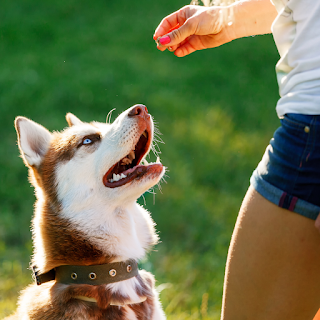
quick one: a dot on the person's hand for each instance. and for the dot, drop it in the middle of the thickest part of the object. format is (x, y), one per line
(195, 28)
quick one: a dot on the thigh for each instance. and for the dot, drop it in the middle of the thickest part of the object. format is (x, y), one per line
(273, 267)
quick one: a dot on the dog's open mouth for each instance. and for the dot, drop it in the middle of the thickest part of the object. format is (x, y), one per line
(129, 168)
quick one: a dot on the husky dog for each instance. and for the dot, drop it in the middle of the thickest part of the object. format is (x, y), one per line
(88, 230)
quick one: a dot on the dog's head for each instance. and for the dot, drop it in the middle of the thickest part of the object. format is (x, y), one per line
(91, 164)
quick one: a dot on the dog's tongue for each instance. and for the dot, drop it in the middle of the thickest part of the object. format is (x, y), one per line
(130, 170)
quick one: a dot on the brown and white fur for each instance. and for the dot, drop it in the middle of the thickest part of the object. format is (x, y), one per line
(85, 217)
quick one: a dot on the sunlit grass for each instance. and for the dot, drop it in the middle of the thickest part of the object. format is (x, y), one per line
(14, 276)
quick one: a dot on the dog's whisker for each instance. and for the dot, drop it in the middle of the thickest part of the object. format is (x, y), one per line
(144, 199)
(108, 120)
(159, 140)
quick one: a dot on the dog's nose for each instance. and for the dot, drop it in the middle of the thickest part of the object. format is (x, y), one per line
(138, 110)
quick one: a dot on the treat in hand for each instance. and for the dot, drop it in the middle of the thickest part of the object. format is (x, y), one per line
(158, 39)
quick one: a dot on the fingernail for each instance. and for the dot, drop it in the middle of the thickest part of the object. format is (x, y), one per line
(164, 40)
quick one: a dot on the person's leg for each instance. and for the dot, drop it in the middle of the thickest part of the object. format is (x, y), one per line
(273, 267)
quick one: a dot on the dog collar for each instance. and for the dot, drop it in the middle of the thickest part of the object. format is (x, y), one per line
(92, 275)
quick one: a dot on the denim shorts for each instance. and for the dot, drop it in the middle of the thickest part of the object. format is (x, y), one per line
(289, 173)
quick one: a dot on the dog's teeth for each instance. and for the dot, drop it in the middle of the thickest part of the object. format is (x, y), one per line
(117, 177)
(144, 134)
(131, 155)
(126, 161)
(145, 162)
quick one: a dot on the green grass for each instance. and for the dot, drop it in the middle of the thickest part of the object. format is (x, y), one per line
(215, 109)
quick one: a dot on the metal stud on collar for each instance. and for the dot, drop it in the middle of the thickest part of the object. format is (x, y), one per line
(74, 276)
(92, 276)
(129, 268)
(113, 272)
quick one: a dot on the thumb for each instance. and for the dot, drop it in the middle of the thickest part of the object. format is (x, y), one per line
(175, 37)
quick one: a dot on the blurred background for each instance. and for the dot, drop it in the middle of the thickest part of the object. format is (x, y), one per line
(215, 110)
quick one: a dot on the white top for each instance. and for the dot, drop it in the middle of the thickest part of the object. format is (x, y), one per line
(296, 32)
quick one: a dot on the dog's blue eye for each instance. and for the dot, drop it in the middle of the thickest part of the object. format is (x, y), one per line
(87, 141)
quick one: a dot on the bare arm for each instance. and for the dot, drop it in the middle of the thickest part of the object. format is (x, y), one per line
(253, 17)
(209, 27)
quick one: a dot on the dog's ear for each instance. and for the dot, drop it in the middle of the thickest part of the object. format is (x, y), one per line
(72, 120)
(33, 140)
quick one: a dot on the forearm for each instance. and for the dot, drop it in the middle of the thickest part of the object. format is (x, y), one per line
(252, 17)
